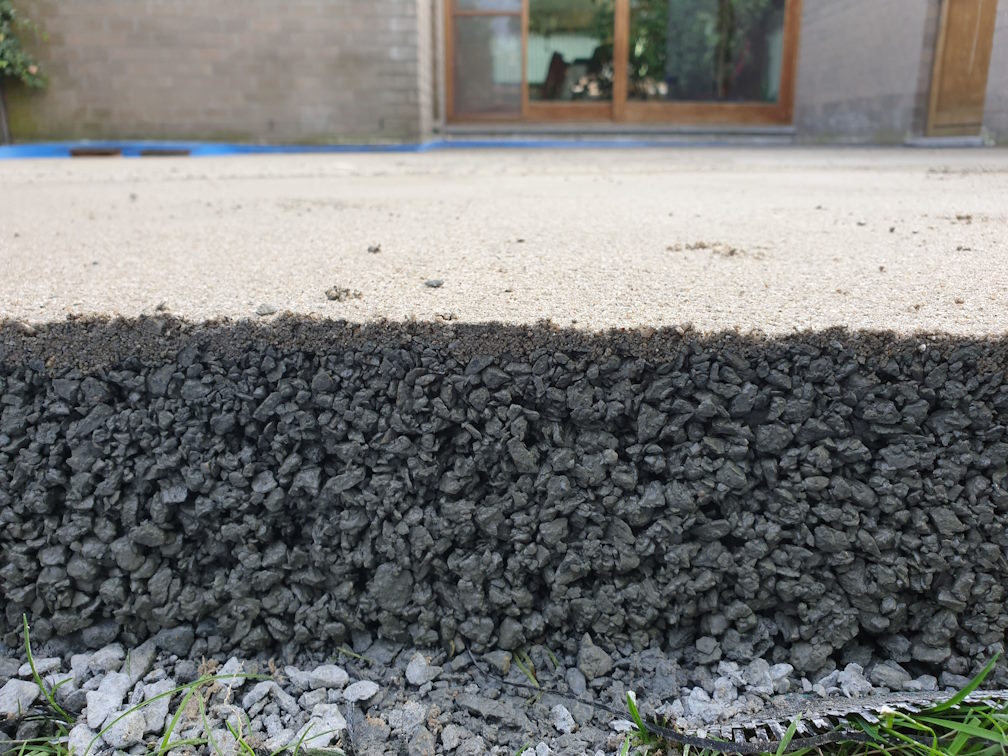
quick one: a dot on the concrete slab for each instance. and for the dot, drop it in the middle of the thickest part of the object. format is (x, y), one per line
(771, 240)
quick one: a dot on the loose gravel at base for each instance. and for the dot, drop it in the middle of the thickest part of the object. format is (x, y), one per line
(383, 698)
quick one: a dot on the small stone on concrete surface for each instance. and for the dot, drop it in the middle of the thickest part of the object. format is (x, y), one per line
(8, 668)
(106, 659)
(328, 676)
(176, 640)
(102, 703)
(156, 710)
(48, 664)
(889, 674)
(80, 739)
(758, 677)
(593, 661)
(407, 718)
(422, 743)
(852, 681)
(361, 690)
(139, 660)
(923, 683)
(127, 731)
(187, 670)
(16, 696)
(452, 736)
(576, 681)
(562, 719)
(258, 693)
(499, 660)
(324, 726)
(419, 670)
(474, 746)
(780, 674)
(299, 678)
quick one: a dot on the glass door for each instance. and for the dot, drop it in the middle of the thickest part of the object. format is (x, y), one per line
(668, 61)
(484, 60)
(706, 60)
(569, 54)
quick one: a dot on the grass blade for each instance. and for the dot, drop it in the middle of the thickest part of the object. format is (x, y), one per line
(163, 747)
(38, 679)
(206, 727)
(972, 685)
(642, 732)
(788, 735)
(972, 730)
(301, 740)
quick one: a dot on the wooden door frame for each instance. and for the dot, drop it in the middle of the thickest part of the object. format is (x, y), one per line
(931, 128)
(936, 68)
(620, 109)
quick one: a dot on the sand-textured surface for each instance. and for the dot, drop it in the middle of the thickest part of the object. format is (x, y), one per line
(719, 239)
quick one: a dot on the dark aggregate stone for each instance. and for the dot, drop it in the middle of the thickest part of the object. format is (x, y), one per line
(289, 485)
(176, 640)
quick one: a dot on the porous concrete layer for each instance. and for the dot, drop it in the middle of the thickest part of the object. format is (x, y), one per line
(807, 498)
(719, 239)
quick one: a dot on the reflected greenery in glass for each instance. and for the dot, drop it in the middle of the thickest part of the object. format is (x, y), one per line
(705, 49)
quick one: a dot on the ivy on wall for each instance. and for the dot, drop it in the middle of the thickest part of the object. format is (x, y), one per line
(15, 62)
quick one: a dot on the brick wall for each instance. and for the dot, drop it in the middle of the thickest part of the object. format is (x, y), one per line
(860, 69)
(425, 62)
(996, 104)
(249, 70)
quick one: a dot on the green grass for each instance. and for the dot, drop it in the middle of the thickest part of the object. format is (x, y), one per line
(524, 663)
(953, 727)
(55, 722)
(344, 651)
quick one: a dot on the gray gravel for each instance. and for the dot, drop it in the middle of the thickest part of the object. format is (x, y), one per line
(366, 707)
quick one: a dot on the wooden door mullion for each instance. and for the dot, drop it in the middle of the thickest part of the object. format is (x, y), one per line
(621, 58)
(524, 59)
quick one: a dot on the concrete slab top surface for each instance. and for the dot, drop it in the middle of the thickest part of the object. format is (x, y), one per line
(770, 240)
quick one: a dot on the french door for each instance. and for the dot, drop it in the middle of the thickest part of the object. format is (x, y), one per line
(671, 61)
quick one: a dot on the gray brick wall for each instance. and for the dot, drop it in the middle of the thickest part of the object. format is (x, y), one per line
(996, 104)
(860, 69)
(425, 62)
(249, 70)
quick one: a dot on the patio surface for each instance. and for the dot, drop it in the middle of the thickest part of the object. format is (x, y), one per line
(773, 240)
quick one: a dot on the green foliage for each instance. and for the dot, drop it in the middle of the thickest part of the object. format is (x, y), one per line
(15, 62)
(699, 48)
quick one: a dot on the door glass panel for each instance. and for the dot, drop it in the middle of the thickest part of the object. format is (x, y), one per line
(570, 50)
(513, 6)
(720, 50)
(487, 65)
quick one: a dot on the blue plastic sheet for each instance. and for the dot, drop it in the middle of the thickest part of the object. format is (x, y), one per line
(204, 149)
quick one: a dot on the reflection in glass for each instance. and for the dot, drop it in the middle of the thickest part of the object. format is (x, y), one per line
(726, 50)
(487, 65)
(570, 49)
(513, 6)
